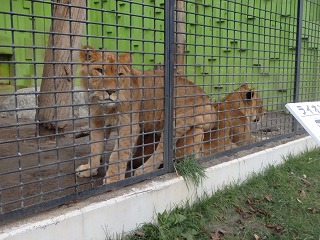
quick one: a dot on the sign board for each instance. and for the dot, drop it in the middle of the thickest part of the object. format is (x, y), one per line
(308, 115)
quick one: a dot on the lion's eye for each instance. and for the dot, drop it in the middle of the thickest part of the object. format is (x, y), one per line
(100, 70)
(120, 74)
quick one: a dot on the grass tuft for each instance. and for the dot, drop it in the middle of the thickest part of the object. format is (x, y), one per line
(190, 170)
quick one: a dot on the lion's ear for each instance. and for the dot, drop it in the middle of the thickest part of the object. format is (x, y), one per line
(245, 86)
(88, 54)
(110, 57)
(249, 94)
(125, 58)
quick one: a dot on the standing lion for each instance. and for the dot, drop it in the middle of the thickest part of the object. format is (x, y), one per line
(132, 100)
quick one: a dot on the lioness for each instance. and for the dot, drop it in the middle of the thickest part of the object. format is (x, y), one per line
(235, 112)
(134, 101)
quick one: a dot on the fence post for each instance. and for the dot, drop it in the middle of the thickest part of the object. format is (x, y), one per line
(298, 58)
(168, 84)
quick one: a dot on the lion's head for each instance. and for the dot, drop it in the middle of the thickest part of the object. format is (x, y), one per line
(253, 102)
(101, 72)
(247, 100)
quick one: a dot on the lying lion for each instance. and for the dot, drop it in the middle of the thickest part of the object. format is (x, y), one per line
(134, 102)
(235, 112)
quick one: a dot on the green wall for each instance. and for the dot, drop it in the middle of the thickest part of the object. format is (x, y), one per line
(228, 42)
(17, 44)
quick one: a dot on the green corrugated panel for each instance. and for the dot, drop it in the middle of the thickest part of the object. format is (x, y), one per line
(5, 22)
(120, 35)
(228, 42)
(24, 40)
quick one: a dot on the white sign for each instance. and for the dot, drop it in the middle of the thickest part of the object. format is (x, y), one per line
(308, 115)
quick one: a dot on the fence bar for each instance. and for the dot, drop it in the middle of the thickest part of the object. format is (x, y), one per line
(298, 58)
(168, 84)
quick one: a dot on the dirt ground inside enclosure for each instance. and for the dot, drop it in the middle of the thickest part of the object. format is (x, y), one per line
(46, 167)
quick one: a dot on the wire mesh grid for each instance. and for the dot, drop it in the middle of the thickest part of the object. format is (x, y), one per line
(96, 95)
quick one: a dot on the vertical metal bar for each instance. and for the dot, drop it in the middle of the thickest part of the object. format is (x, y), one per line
(16, 112)
(298, 58)
(168, 84)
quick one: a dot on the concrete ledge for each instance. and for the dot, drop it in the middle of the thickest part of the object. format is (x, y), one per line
(139, 205)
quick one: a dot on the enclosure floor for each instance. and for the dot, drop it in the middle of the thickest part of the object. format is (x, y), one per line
(44, 169)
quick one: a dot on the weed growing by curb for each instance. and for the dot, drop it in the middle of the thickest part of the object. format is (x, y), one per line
(190, 170)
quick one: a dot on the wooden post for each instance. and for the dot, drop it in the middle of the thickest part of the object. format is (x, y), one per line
(180, 37)
(64, 41)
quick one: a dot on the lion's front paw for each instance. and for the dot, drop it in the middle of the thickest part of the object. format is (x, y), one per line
(85, 171)
(113, 179)
(144, 169)
(138, 171)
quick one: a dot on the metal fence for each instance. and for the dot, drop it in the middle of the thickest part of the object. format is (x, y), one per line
(152, 87)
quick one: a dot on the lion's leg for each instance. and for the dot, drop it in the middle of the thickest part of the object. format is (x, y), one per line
(190, 143)
(222, 139)
(122, 152)
(218, 140)
(146, 145)
(209, 141)
(241, 135)
(154, 161)
(97, 147)
(181, 128)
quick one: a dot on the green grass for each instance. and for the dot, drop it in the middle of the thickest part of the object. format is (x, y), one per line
(281, 203)
(191, 171)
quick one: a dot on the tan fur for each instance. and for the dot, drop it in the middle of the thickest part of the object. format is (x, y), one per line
(235, 112)
(134, 100)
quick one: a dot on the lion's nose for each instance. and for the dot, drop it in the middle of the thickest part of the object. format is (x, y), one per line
(111, 91)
